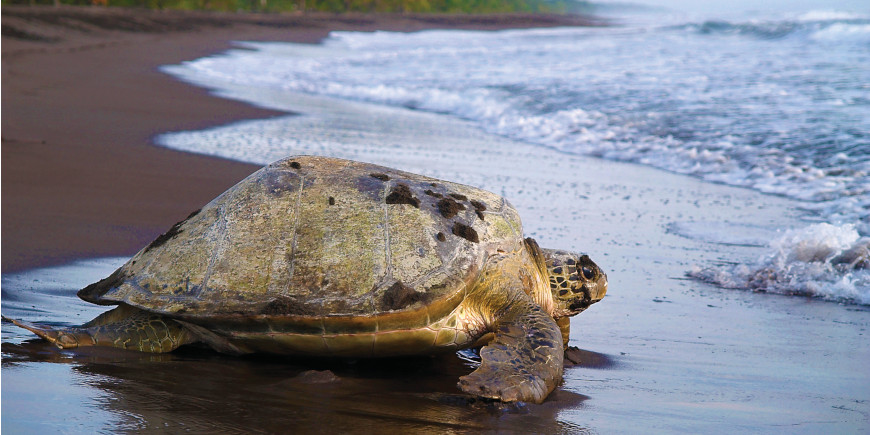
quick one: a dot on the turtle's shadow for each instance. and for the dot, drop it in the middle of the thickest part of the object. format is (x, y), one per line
(200, 389)
(589, 359)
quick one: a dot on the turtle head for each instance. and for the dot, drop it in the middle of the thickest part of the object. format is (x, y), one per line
(575, 280)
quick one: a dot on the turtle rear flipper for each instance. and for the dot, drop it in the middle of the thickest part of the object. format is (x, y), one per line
(524, 360)
(124, 327)
(61, 338)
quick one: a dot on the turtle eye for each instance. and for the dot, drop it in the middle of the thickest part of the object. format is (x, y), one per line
(588, 273)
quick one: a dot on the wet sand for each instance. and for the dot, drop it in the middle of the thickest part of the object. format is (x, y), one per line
(660, 353)
(82, 99)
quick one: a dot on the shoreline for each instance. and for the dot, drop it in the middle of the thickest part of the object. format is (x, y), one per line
(84, 100)
(692, 357)
(660, 353)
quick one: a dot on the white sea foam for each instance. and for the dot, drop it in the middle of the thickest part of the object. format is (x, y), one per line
(842, 31)
(830, 15)
(773, 106)
(821, 260)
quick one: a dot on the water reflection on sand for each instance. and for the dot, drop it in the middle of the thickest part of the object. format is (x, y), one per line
(198, 390)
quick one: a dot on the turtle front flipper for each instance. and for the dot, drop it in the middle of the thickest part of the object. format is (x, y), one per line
(523, 362)
(124, 327)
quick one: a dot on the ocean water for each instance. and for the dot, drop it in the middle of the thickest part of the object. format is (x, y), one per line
(777, 103)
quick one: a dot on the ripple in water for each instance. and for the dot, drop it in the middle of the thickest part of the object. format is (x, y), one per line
(822, 260)
(779, 106)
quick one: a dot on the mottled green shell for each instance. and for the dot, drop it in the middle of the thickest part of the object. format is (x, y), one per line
(319, 237)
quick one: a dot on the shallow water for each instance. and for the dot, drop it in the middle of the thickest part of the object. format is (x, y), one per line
(661, 352)
(776, 103)
(196, 390)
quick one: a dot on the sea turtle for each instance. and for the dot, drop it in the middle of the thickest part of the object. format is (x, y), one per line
(328, 257)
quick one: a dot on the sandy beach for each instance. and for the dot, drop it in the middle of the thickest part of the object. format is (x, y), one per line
(82, 101)
(84, 187)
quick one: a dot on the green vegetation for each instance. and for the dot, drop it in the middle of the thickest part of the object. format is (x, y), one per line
(435, 6)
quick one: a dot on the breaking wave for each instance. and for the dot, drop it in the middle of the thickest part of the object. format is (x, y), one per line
(822, 260)
(779, 106)
(828, 25)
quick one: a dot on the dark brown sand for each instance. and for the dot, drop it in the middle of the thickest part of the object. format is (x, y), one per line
(83, 97)
(660, 354)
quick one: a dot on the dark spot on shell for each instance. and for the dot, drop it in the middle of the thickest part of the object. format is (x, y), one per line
(440, 237)
(295, 165)
(285, 305)
(431, 193)
(553, 285)
(574, 277)
(560, 279)
(174, 231)
(371, 187)
(399, 296)
(479, 208)
(459, 196)
(557, 270)
(382, 177)
(466, 232)
(570, 261)
(401, 194)
(563, 292)
(449, 208)
(331, 201)
(563, 284)
(278, 182)
(92, 292)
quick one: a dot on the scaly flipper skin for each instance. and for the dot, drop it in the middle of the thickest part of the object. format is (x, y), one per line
(318, 256)
(565, 328)
(524, 360)
(124, 327)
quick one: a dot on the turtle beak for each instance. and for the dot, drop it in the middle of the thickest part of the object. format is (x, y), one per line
(599, 289)
(592, 292)
(596, 280)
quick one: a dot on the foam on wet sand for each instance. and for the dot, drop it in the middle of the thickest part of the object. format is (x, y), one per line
(660, 353)
(677, 354)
